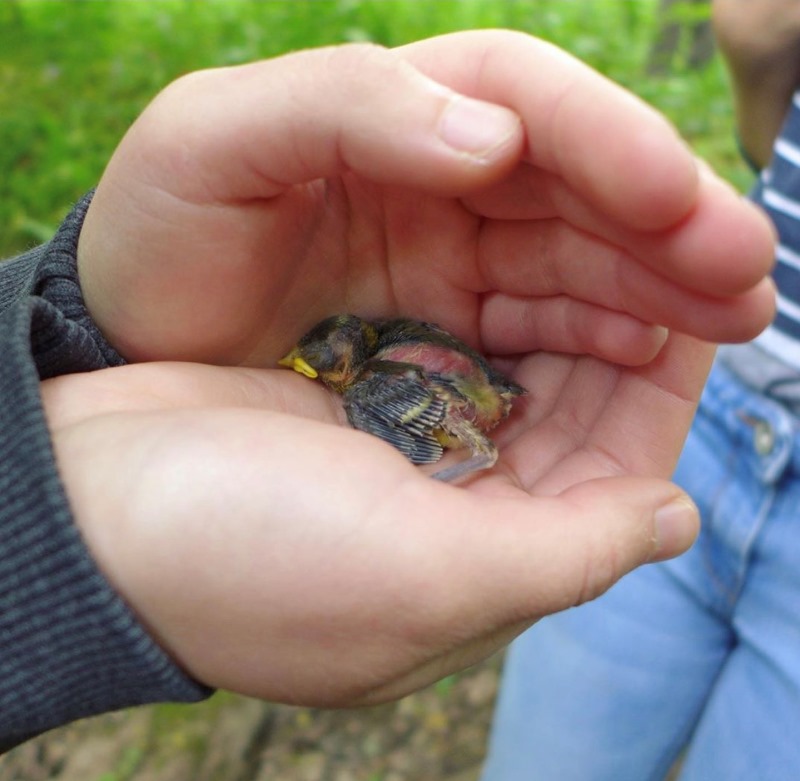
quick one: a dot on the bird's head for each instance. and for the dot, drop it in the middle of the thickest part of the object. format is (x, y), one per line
(333, 351)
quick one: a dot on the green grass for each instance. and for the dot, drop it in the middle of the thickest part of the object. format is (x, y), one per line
(126, 766)
(74, 75)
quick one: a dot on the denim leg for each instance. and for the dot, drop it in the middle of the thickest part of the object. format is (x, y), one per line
(750, 728)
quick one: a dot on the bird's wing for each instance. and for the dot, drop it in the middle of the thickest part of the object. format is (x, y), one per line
(401, 410)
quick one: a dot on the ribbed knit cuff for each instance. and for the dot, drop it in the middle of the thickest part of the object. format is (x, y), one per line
(69, 646)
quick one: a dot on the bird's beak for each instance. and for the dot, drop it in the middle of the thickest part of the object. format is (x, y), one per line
(294, 361)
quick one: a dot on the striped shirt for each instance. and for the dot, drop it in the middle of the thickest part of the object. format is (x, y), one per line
(778, 192)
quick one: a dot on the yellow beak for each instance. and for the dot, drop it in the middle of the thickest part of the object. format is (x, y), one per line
(294, 361)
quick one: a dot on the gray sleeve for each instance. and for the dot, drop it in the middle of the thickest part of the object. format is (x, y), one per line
(69, 646)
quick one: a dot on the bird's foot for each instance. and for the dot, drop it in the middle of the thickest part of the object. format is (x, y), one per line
(475, 463)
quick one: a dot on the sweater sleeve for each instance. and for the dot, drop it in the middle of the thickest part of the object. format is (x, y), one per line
(69, 646)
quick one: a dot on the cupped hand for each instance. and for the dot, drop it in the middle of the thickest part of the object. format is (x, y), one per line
(272, 551)
(486, 181)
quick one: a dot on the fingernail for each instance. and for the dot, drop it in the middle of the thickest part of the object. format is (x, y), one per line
(677, 524)
(476, 128)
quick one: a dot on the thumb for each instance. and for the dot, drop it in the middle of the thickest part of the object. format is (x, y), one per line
(542, 555)
(253, 130)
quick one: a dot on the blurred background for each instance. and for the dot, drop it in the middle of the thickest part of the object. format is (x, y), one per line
(73, 76)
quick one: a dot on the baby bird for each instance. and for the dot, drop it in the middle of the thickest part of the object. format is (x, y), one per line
(410, 383)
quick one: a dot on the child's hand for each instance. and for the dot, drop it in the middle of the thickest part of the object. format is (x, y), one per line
(273, 551)
(555, 213)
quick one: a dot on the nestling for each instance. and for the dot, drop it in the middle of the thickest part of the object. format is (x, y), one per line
(412, 384)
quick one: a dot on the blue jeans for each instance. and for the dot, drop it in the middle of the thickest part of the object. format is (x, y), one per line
(701, 652)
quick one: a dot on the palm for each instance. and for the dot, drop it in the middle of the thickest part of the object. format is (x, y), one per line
(358, 247)
(239, 472)
(588, 418)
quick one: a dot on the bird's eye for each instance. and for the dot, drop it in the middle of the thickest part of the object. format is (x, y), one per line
(322, 357)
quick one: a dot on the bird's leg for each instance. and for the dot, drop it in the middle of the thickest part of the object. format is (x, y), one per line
(484, 455)
(473, 464)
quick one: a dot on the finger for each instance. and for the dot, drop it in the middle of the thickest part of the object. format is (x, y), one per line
(724, 246)
(545, 555)
(552, 258)
(586, 418)
(254, 130)
(612, 148)
(559, 323)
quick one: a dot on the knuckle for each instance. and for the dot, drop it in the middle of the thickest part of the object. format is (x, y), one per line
(362, 71)
(355, 59)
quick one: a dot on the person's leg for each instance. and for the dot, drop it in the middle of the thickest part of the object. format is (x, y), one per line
(750, 728)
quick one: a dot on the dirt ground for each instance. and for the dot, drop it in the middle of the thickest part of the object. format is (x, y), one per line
(436, 735)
